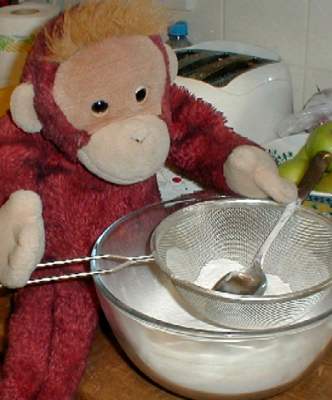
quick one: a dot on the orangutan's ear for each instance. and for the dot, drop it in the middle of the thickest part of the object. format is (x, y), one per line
(173, 62)
(22, 108)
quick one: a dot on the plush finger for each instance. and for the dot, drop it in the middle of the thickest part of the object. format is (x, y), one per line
(240, 170)
(279, 189)
(24, 204)
(23, 258)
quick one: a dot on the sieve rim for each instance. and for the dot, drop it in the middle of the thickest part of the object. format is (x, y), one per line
(230, 297)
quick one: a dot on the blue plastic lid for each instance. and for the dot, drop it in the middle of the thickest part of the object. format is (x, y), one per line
(179, 28)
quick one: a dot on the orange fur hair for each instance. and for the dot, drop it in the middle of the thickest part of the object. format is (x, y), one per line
(94, 20)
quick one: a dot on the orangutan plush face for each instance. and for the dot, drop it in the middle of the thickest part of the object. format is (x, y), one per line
(113, 90)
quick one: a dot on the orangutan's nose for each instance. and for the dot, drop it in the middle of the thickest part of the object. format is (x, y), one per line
(139, 137)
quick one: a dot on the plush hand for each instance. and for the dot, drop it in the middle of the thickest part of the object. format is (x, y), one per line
(251, 172)
(21, 237)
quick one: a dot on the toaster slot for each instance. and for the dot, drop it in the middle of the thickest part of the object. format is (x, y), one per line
(216, 68)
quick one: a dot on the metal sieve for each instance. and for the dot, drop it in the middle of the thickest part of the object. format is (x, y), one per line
(301, 255)
(188, 239)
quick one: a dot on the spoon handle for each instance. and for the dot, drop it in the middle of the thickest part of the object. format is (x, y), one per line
(283, 219)
(313, 175)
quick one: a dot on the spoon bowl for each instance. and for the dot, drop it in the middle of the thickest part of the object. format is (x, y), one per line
(251, 281)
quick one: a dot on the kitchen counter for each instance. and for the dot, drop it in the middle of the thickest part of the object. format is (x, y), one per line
(111, 376)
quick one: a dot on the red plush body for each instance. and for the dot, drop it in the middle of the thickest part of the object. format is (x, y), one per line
(52, 326)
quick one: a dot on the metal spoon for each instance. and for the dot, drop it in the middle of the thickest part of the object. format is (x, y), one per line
(253, 279)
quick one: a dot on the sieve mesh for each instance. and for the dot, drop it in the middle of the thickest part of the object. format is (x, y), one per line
(301, 255)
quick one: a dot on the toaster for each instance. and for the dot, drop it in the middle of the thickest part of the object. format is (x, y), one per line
(250, 85)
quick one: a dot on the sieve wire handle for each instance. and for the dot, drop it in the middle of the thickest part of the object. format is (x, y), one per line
(127, 261)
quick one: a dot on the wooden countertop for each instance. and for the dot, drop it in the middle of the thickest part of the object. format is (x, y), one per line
(111, 376)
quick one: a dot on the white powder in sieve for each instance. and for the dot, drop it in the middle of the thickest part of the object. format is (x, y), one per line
(216, 269)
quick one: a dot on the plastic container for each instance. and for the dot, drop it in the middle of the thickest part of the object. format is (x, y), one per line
(178, 35)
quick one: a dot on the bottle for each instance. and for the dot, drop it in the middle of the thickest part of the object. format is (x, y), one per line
(177, 34)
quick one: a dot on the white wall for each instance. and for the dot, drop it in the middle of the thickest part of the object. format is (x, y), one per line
(205, 20)
(300, 30)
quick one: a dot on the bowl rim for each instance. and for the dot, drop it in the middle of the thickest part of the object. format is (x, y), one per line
(223, 333)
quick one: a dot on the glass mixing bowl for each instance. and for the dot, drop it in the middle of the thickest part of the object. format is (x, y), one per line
(183, 354)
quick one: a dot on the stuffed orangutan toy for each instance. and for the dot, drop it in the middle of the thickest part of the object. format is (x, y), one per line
(95, 116)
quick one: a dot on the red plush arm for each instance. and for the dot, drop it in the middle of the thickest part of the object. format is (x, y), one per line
(52, 326)
(201, 141)
(18, 158)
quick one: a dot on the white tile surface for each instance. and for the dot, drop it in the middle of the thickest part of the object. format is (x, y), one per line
(179, 4)
(316, 77)
(205, 20)
(280, 25)
(297, 75)
(320, 34)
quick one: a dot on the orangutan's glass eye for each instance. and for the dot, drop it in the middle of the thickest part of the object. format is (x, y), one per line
(99, 107)
(140, 94)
